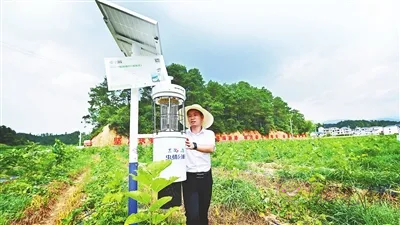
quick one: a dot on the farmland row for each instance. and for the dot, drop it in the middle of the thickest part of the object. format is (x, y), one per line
(33, 176)
(353, 180)
(340, 181)
(104, 202)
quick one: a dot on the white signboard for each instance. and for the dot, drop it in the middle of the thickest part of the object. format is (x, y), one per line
(135, 72)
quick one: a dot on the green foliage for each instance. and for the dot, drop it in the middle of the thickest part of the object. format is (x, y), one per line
(368, 161)
(235, 107)
(105, 202)
(327, 170)
(8, 136)
(12, 138)
(229, 158)
(234, 193)
(27, 172)
(108, 107)
(344, 213)
(360, 123)
(50, 139)
(145, 153)
(150, 184)
(59, 150)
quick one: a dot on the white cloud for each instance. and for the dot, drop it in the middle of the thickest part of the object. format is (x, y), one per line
(33, 16)
(280, 20)
(339, 58)
(73, 79)
(47, 86)
(355, 82)
(46, 73)
(334, 55)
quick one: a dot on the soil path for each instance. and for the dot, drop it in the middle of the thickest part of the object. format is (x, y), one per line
(69, 199)
(64, 201)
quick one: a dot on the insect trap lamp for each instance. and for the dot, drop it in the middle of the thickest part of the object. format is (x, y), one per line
(169, 136)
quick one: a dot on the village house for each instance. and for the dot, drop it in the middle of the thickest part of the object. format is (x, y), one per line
(392, 129)
(359, 131)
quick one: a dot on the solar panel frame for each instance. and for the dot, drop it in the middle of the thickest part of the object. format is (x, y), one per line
(128, 28)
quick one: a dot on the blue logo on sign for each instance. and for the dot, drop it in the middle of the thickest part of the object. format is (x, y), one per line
(155, 77)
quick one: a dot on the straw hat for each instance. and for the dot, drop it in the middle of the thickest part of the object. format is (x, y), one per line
(208, 117)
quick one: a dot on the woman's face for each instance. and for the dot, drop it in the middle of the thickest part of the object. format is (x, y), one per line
(195, 118)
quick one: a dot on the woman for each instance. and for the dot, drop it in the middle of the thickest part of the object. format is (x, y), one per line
(200, 143)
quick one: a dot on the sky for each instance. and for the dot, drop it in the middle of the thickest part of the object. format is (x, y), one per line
(330, 60)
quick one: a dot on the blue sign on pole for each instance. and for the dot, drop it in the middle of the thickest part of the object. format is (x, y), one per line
(132, 203)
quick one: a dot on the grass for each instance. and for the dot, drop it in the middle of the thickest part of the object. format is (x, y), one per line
(248, 178)
(358, 161)
(344, 213)
(355, 162)
(104, 203)
(39, 177)
(237, 194)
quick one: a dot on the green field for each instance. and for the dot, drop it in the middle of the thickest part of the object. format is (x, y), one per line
(353, 180)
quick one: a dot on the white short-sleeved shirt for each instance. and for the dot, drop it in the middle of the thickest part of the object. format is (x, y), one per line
(199, 161)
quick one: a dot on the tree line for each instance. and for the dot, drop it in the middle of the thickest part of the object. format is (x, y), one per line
(235, 107)
(10, 137)
(360, 123)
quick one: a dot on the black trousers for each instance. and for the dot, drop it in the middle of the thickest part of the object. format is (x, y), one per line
(197, 192)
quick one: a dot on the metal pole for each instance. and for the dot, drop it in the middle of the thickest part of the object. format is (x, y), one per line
(80, 134)
(80, 138)
(133, 139)
(291, 127)
(133, 142)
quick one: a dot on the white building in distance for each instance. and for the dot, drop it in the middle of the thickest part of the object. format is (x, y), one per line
(392, 129)
(359, 131)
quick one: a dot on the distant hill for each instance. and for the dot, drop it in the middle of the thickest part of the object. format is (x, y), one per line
(375, 119)
(10, 137)
(361, 123)
(389, 118)
(49, 139)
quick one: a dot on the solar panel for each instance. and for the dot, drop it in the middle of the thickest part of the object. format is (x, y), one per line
(128, 28)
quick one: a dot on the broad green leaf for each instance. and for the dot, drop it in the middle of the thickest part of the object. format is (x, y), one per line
(136, 218)
(159, 203)
(172, 179)
(155, 168)
(172, 210)
(143, 177)
(139, 196)
(160, 183)
(158, 218)
(112, 197)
